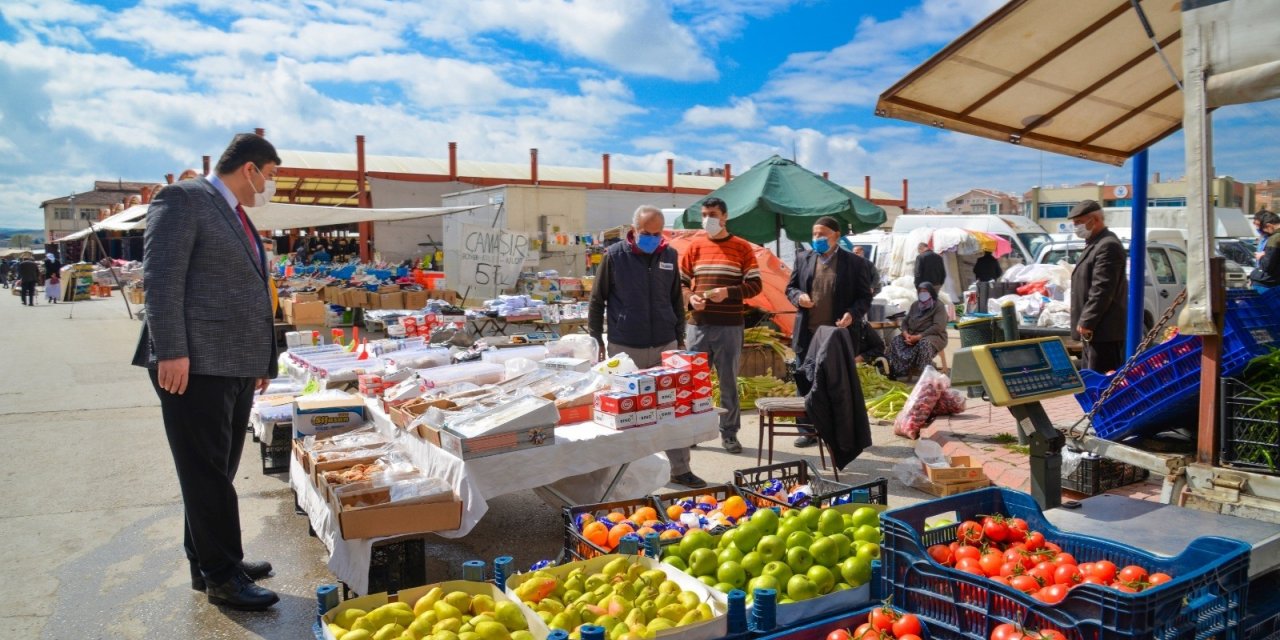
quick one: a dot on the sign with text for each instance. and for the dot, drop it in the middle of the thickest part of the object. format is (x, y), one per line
(489, 257)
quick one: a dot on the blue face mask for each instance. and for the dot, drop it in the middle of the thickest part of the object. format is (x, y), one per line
(822, 245)
(648, 244)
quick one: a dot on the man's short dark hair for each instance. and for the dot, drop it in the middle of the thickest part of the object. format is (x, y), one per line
(1262, 215)
(247, 147)
(1267, 217)
(716, 203)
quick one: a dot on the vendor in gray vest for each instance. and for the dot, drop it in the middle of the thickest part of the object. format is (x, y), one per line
(638, 286)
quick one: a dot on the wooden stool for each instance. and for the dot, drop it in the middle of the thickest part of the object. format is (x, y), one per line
(770, 410)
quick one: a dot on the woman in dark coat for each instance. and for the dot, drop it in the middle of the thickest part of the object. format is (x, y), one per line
(924, 334)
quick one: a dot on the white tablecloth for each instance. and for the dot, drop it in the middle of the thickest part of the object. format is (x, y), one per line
(579, 465)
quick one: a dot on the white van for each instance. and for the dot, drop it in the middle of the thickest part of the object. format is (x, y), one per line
(1024, 236)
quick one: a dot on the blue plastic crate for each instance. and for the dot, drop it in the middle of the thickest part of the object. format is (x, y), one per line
(819, 629)
(1206, 597)
(1252, 329)
(1160, 388)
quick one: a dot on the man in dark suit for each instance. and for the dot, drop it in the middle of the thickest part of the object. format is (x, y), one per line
(830, 287)
(929, 267)
(208, 343)
(1098, 290)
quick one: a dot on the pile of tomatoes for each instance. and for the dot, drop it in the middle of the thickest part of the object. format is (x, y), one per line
(1003, 549)
(884, 623)
(1015, 632)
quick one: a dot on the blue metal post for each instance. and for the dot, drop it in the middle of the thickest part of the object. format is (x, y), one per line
(1137, 255)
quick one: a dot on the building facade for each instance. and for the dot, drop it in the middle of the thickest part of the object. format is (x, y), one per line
(1267, 195)
(984, 201)
(1050, 205)
(66, 215)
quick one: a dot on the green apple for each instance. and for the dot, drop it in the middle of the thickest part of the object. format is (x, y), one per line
(763, 582)
(830, 521)
(866, 533)
(677, 562)
(729, 554)
(768, 519)
(825, 552)
(868, 551)
(801, 588)
(789, 526)
(772, 548)
(840, 586)
(844, 544)
(865, 516)
(710, 580)
(724, 587)
(799, 539)
(821, 577)
(790, 513)
(731, 573)
(748, 536)
(810, 516)
(702, 562)
(695, 539)
(855, 571)
(799, 559)
(753, 563)
(779, 571)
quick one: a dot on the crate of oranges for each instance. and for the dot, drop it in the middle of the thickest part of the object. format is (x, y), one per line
(714, 509)
(592, 530)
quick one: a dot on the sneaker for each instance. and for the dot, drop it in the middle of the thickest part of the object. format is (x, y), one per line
(689, 480)
(731, 444)
(806, 441)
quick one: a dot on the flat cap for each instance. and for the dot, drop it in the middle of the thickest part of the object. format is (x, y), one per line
(1088, 206)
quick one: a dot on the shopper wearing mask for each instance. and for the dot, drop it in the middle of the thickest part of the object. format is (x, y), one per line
(1267, 274)
(1099, 287)
(638, 287)
(924, 334)
(1259, 227)
(208, 342)
(720, 271)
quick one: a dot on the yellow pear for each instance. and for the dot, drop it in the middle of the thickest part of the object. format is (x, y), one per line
(358, 634)
(427, 601)
(389, 632)
(347, 617)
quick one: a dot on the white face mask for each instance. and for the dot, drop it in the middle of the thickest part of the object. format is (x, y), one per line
(712, 226)
(924, 297)
(1082, 231)
(260, 199)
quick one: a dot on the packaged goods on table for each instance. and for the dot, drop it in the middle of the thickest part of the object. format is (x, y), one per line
(681, 386)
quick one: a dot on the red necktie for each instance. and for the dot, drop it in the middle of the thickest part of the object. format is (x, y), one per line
(248, 231)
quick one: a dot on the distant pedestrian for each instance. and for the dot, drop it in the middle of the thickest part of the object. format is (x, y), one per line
(987, 268)
(53, 289)
(1267, 274)
(929, 267)
(28, 278)
(4, 271)
(52, 265)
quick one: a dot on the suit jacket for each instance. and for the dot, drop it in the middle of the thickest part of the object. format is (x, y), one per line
(835, 405)
(207, 293)
(28, 272)
(930, 268)
(852, 295)
(1100, 289)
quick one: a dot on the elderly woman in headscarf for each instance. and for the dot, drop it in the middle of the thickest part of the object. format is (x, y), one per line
(924, 334)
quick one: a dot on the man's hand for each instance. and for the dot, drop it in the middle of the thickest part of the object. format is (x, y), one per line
(173, 375)
(845, 320)
(261, 385)
(718, 294)
(697, 302)
(1085, 334)
(858, 359)
(805, 301)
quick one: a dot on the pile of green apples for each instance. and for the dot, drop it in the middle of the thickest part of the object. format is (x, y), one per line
(802, 553)
(626, 597)
(437, 615)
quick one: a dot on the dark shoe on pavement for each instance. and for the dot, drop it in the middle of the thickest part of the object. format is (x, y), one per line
(256, 570)
(731, 444)
(806, 441)
(689, 480)
(241, 593)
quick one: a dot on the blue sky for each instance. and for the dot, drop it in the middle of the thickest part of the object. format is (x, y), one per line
(135, 90)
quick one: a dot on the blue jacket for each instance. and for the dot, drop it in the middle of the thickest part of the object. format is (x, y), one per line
(640, 294)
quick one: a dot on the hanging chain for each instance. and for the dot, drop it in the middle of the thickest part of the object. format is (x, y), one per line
(1119, 375)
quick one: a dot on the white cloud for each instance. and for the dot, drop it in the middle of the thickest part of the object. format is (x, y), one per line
(741, 114)
(427, 82)
(716, 20)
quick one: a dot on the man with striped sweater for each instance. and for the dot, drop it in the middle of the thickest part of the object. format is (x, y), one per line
(720, 272)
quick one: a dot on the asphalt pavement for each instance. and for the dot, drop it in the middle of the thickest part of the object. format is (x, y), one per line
(92, 515)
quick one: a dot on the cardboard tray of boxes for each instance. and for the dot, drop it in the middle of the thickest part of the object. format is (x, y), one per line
(964, 474)
(679, 387)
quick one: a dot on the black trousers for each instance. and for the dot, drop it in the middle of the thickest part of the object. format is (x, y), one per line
(206, 428)
(28, 293)
(1103, 356)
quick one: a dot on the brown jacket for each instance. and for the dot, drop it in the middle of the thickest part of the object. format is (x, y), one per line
(1100, 289)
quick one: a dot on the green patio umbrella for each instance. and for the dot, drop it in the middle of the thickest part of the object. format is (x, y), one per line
(778, 195)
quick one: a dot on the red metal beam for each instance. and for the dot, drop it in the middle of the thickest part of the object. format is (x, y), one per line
(453, 161)
(904, 195)
(533, 166)
(671, 175)
(205, 162)
(604, 159)
(866, 187)
(728, 172)
(366, 229)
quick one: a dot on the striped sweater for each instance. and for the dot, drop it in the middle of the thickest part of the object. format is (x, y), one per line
(729, 262)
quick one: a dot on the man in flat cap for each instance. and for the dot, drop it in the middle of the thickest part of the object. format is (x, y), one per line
(1098, 290)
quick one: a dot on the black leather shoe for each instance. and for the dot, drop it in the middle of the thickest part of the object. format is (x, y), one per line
(806, 441)
(241, 593)
(255, 570)
(689, 480)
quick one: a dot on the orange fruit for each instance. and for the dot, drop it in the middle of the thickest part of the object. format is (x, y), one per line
(643, 532)
(707, 499)
(616, 533)
(596, 533)
(614, 517)
(644, 514)
(675, 511)
(669, 534)
(735, 507)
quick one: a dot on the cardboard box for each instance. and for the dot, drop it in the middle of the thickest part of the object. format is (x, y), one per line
(327, 416)
(666, 413)
(421, 515)
(944, 490)
(404, 414)
(962, 470)
(699, 377)
(306, 296)
(684, 378)
(391, 300)
(448, 295)
(581, 365)
(308, 314)
(634, 383)
(646, 401)
(666, 396)
(682, 410)
(646, 417)
(664, 379)
(614, 420)
(685, 360)
(701, 405)
(615, 402)
(415, 299)
(469, 448)
(388, 288)
(574, 415)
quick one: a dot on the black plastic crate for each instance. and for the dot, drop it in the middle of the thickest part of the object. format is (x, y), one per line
(1096, 475)
(1250, 432)
(753, 483)
(687, 497)
(275, 457)
(398, 564)
(576, 546)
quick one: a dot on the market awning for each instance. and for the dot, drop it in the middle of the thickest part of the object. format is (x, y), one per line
(130, 219)
(1080, 78)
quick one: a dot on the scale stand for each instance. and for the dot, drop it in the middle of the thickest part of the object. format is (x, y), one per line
(1046, 452)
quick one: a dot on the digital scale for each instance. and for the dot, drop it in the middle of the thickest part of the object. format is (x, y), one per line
(1018, 375)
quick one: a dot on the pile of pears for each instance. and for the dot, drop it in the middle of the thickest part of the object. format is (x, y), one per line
(628, 599)
(802, 553)
(456, 615)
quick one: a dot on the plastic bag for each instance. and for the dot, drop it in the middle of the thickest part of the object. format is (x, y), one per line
(917, 413)
(615, 365)
(517, 367)
(950, 403)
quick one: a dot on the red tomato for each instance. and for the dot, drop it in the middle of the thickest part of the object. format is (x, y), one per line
(1086, 568)
(1064, 558)
(941, 554)
(839, 634)
(1067, 574)
(970, 532)
(909, 636)
(1124, 588)
(1019, 524)
(1104, 570)
(1045, 634)
(1052, 547)
(1006, 632)
(1132, 573)
(1043, 576)
(862, 629)
(1004, 580)
(1016, 534)
(882, 618)
(995, 530)
(908, 624)
(1093, 580)
(869, 634)
(1014, 555)
(1046, 566)
(1158, 578)
(1034, 541)
(991, 562)
(1010, 569)
(1052, 594)
(970, 565)
(967, 551)
(1025, 584)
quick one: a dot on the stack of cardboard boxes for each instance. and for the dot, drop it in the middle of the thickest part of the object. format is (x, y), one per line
(963, 474)
(680, 387)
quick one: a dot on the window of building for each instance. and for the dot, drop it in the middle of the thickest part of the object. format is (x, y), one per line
(1055, 209)
(1167, 202)
(62, 213)
(88, 214)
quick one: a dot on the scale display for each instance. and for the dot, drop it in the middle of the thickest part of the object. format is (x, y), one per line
(1026, 370)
